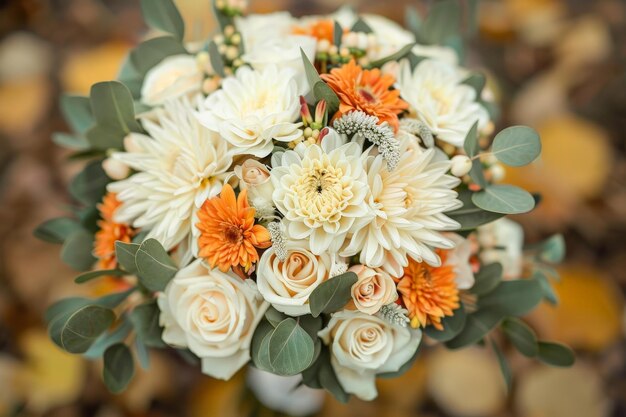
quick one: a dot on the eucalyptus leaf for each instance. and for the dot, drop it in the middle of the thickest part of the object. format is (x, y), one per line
(556, 354)
(274, 317)
(553, 250)
(149, 53)
(504, 366)
(259, 347)
(487, 279)
(322, 91)
(513, 298)
(291, 348)
(125, 255)
(443, 22)
(163, 15)
(89, 186)
(77, 112)
(109, 338)
(477, 81)
(142, 353)
(328, 380)
(470, 145)
(452, 326)
(333, 294)
(145, 319)
(119, 368)
(477, 325)
(64, 306)
(217, 62)
(361, 26)
(76, 251)
(397, 56)
(57, 230)
(154, 266)
(470, 216)
(112, 106)
(74, 142)
(505, 199)
(413, 20)
(77, 331)
(337, 34)
(546, 287)
(521, 336)
(88, 276)
(516, 146)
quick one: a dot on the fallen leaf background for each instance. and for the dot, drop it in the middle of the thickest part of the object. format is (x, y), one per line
(556, 65)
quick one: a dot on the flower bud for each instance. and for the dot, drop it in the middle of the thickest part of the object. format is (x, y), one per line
(461, 165)
(116, 170)
(497, 172)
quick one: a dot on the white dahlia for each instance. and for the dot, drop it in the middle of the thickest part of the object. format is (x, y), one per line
(254, 107)
(179, 165)
(438, 98)
(321, 191)
(409, 205)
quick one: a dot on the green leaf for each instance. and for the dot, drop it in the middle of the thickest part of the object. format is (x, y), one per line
(154, 266)
(259, 347)
(114, 299)
(290, 348)
(443, 22)
(556, 354)
(89, 186)
(413, 20)
(217, 62)
(163, 15)
(487, 279)
(77, 112)
(337, 34)
(397, 56)
(322, 91)
(506, 199)
(142, 354)
(77, 331)
(328, 380)
(131, 77)
(119, 368)
(76, 251)
(477, 325)
(74, 142)
(64, 306)
(274, 317)
(516, 146)
(513, 298)
(470, 216)
(113, 108)
(361, 26)
(477, 81)
(333, 294)
(125, 255)
(504, 366)
(521, 336)
(118, 335)
(88, 276)
(546, 287)
(553, 250)
(57, 230)
(149, 53)
(452, 326)
(470, 145)
(145, 319)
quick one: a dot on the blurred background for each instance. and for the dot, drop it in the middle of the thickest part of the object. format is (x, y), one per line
(556, 65)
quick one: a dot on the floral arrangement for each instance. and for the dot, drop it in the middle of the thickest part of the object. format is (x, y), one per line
(317, 196)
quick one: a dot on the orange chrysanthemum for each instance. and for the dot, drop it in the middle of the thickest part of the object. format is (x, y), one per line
(366, 90)
(110, 231)
(320, 29)
(429, 293)
(228, 235)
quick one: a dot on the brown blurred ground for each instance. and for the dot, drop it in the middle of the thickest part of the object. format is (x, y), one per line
(559, 66)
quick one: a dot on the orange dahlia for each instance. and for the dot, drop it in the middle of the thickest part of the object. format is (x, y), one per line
(228, 235)
(366, 90)
(319, 29)
(110, 231)
(429, 293)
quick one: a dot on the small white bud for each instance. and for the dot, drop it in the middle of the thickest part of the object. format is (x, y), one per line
(497, 172)
(333, 50)
(323, 45)
(130, 143)
(344, 52)
(232, 52)
(229, 31)
(116, 170)
(461, 165)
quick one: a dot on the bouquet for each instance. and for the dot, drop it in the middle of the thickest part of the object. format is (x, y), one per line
(318, 196)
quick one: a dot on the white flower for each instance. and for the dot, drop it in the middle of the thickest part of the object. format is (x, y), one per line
(374, 289)
(214, 314)
(409, 204)
(362, 346)
(174, 77)
(503, 241)
(284, 52)
(459, 259)
(321, 190)
(253, 108)
(258, 28)
(440, 53)
(179, 166)
(436, 94)
(390, 36)
(288, 284)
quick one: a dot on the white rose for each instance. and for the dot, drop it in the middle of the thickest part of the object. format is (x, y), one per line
(459, 259)
(390, 36)
(440, 53)
(288, 284)
(255, 177)
(214, 314)
(362, 346)
(283, 51)
(503, 241)
(257, 28)
(374, 289)
(174, 77)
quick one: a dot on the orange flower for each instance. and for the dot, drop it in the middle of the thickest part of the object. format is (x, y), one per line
(110, 231)
(320, 29)
(366, 90)
(228, 235)
(429, 293)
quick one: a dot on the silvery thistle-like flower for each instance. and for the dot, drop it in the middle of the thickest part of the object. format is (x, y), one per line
(179, 165)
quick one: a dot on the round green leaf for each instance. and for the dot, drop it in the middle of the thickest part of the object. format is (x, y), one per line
(506, 199)
(556, 354)
(333, 294)
(57, 230)
(291, 348)
(513, 298)
(154, 266)
(521, 336)
(76, 251)
(477, 325)
(517, 146)
(487, 279)
(119, 368)
(163, 15)
(77, 331)
(452, 326)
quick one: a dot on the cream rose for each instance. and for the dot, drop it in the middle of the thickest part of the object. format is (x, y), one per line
(362, 346)
(174, 77)
(255, 177)
(288, 284)
(374, 289)
(459, 259)
(503, 241)
(212, 313)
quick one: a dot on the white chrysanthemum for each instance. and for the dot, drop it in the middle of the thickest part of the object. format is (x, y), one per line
(409, 204)
(179, 165)
(321, 190)
(253, 108)
(436, 94)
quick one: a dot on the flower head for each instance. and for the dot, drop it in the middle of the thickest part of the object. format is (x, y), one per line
(228, 235)
(110, 232)
(366, 90)
(429, 293)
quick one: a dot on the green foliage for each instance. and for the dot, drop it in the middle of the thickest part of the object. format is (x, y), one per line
(441, 24)
(321, 90)
(452, 326)
(521, 336)
(505, 199)
(77, 112)
(487, 279)
(477, 81)
(477, 325)
(333, 294)
(470, 216)
(504, 366)
(516, 146)
(149, 53)
(402, 53)
(155, 268)
(290, 348)
(88, 276)
(109, 338)
(76, 331)
(322, 375)
(76, 251)
(546, 287)
(361, 26)
(119, 368)
(89, 186)
(556, 354)
(552, 250)
(163, 15)
(145, 319)
(125, 255)
(217, 62)
(337, 34)
(513, 298)
(57, 230)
